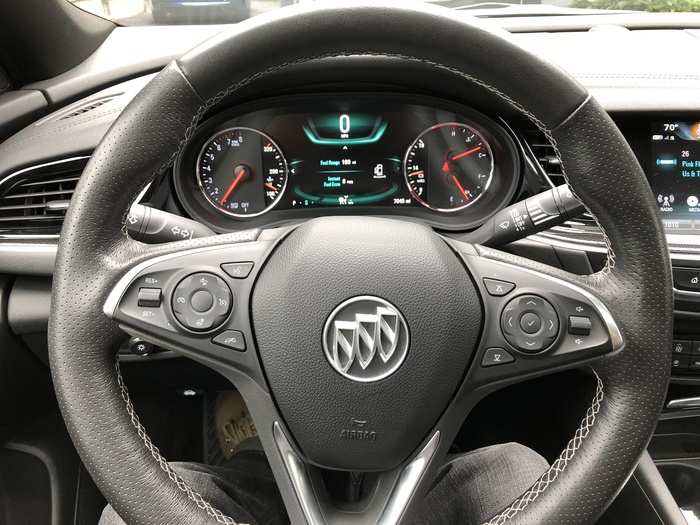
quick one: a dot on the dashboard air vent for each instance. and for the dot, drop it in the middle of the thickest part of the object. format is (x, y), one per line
(34, 201)
(581, 231)
(545, 155)
(89, 106)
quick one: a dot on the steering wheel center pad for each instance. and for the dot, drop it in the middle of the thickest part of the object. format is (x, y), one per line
(319, 266)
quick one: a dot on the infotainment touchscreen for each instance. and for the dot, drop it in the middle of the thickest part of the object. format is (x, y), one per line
(674, 174)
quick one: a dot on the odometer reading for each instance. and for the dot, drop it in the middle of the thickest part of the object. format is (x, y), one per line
(242, 172)
(448, 167)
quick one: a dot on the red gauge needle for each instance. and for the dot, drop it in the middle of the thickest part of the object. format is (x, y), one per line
(242, 173)
(466, 194)
(270, 187)
(465, 153)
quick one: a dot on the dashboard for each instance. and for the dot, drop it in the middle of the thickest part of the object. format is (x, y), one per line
(388, 154)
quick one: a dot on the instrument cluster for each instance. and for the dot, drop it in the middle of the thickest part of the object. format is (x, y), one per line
(378, 154)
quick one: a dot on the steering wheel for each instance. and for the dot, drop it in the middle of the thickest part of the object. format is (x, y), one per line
(360, 343)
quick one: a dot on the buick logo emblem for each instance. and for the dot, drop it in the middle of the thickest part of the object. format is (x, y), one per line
(365, 338)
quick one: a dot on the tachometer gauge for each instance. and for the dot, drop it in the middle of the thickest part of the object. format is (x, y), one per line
(242, 172)
(448, 167)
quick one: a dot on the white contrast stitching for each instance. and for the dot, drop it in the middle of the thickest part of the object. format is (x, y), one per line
(195, 496)
(559, 465)
(588, 421)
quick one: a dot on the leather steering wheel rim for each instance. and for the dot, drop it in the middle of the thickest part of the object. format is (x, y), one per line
(94, 251)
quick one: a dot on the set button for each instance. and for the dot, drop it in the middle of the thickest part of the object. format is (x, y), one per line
(149, 297)
(530, 323)
(201, 301)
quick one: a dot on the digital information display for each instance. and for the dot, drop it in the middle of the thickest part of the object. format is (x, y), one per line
(674, 174)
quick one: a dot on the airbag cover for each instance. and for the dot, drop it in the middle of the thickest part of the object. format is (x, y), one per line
(339, 422)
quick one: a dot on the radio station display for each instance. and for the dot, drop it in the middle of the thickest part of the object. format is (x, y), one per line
(674, 174)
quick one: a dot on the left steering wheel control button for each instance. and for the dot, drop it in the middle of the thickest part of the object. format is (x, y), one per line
(498, 288)
(496, 356)
(237, 270)
(150, 297)
(202, 301)
(231, 339)
(140, 347)
(530, 323)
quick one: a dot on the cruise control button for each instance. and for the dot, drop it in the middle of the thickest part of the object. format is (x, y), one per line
(202, 300)
(231, 339)
(237, 270)
(149, 297)
(496, 356)
(530, 323)
(498, 288)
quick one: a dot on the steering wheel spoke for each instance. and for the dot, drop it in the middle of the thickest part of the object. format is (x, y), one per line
(194, 299)
(535, 323)
(385, 502)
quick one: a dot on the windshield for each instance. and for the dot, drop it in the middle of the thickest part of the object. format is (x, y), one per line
(150, 12)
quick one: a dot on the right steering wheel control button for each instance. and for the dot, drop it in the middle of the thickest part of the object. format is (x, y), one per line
(530, 323)
(496, 356)
(232, 339)
(202, 301)
(498, 288)
(579, 325)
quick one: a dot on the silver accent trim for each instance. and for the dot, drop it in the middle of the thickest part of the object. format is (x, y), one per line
(408, 482)
(112, 301)
(52, 236)
(399, 497)
(616, 338)
(336, 344)
(14, 174)
(39, 166)
(27, 259)
(297, 475)
(684, 403)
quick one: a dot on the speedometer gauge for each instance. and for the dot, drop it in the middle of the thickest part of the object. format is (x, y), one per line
(448, 167)
(242, 172)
